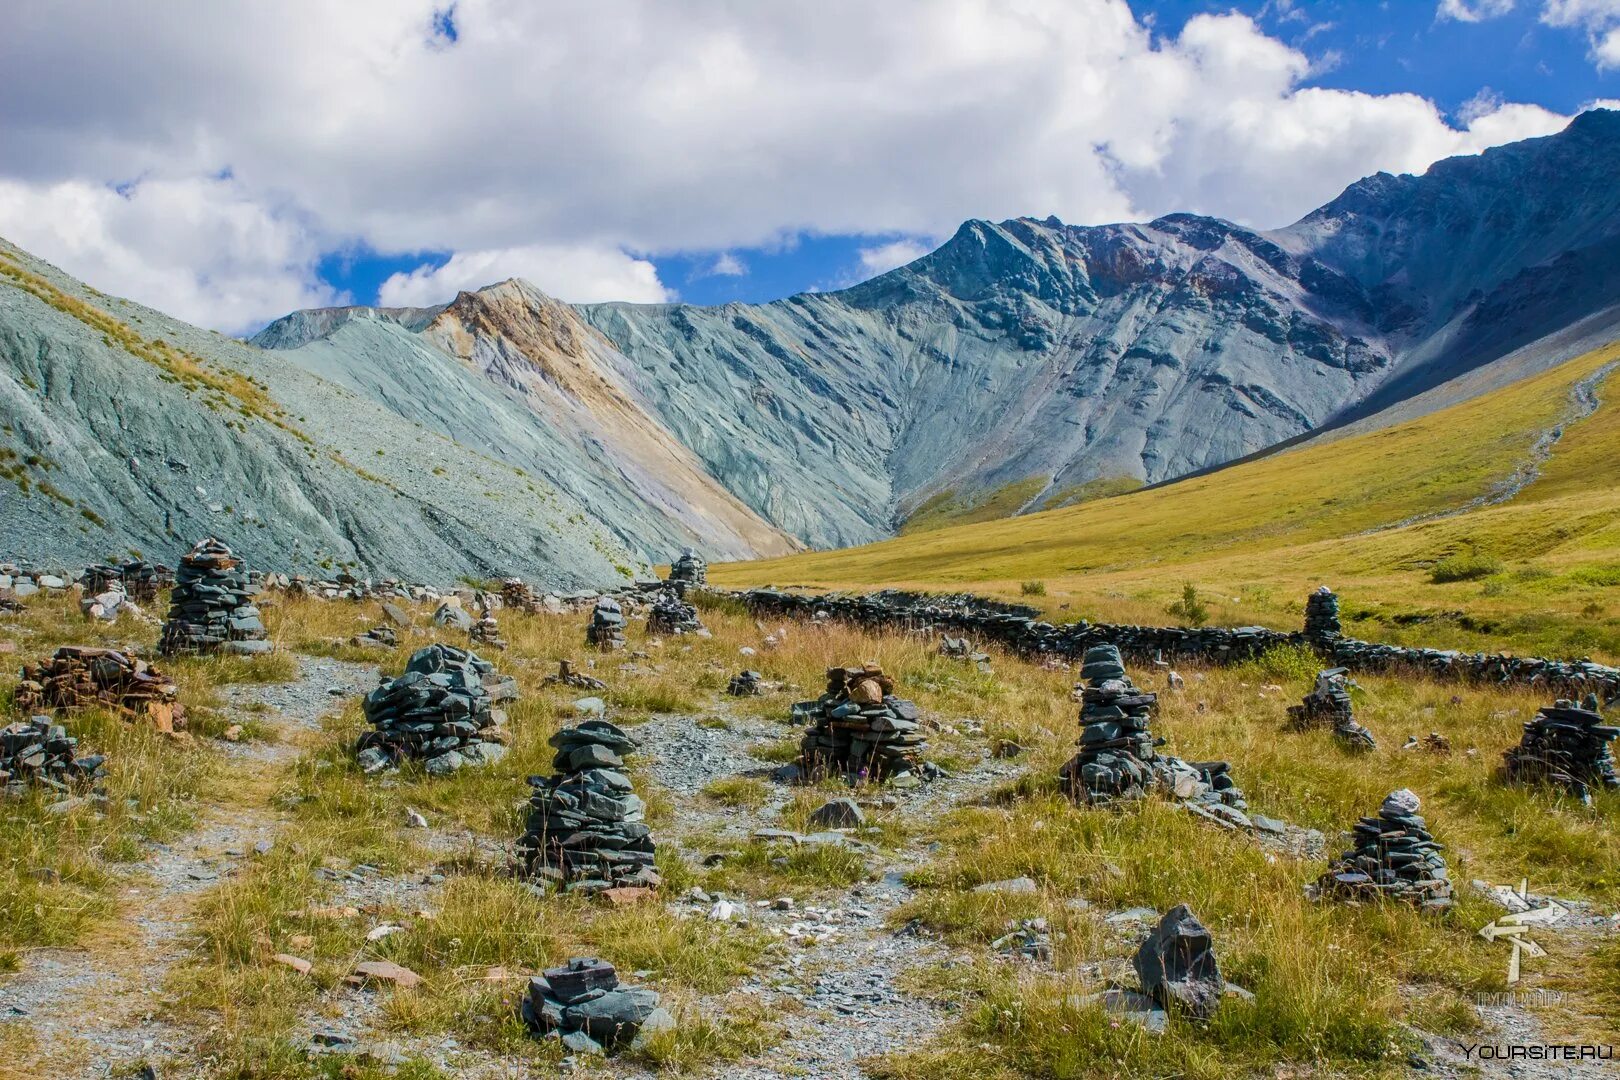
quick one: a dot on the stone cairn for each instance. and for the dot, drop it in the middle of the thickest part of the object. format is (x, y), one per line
(746, 684)
(519, 596)
(1178, 968)
(139, 580)
(211, 609)
(487, 632)
(1395, 857)
(1117, 757)
(439, 712)
(567, 676)
(583, 1004)
(606, 630)
(1566, 745)
(585, 830)
(79, 677)
(689, 570)
(1328, 705)
(858, 728)
(38, 752)
(672, 615)
(1322, 615)
(378, 637)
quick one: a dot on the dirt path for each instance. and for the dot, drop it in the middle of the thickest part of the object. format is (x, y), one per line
(93, 1009)
(1583, 402)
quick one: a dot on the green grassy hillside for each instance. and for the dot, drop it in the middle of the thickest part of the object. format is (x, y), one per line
(1538, 572)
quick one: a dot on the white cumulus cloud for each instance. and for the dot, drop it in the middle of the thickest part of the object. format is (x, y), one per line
(877, 259)
(1472, 11)
(568, 140)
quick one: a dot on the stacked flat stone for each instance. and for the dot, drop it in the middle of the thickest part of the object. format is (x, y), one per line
(585, 830)
(1322, 615)
(1395, 857)
(487, 632)
(567, 676)
(672, 615)
(606, 629)
(519, 596)
(858, 728)
(746, 684)
(79, 676)
(1329, 705)
(438, 712)
(688, 570)
(211, 609)
(583, 1004)
(140, 580)
(1566, 745)
(38, 752)
(378, 637)
(1117, 757)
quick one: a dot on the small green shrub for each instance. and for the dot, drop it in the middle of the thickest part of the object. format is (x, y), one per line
(1033, 588)
(1189, 607)
(1468, 567)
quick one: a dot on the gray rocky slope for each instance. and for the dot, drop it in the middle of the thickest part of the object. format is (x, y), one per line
(519, 434)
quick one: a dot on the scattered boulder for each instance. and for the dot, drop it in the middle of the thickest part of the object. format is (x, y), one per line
(378, 637)
(211, 608)
(859, 729)
(1177, 965)
(838, 814)
(567, 676)
(1565, 745)
(453, 616)
(1395, 857)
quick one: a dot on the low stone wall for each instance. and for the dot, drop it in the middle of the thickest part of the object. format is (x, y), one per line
(1015, 628)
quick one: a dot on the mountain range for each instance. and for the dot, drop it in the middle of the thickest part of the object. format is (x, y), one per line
(1022, 365)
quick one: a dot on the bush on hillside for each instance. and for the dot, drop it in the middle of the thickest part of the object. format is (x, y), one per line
(1468, 567)
(1189, 608)
(1033, 588)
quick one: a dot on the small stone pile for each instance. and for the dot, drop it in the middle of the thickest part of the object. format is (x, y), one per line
(519, 596)
(211, 609)
(1322, 615)
(1566, 745)
(39, 752)
(487, 632)
(1328, 704)
(688, 570)
(961, 648)
(672, 615)
(583, 1004)
(746, 684)
(606, 630)
(858, 728)
(16, 583)
(439, 712)
(567, 676)
(1117, 757)
(378, 637)
(140, 580)
(1395, 857)
(1177, 965)
(79, 677)
(585, 830)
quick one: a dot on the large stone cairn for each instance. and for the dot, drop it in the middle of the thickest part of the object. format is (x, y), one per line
(79, 677)
(689, 570)
(211, 609)
(583, 1004)
(670, 614)
(1566, 745)
(1322, 615)
(139, 580)
(1329, 705)
(606, 629)
(38, 752)
(519, 596)
(858, 728)
(585, 830)
(1117, 757)
(439, 712)
(1395, 857)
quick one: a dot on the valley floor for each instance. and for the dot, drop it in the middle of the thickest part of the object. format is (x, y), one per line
(141, 929)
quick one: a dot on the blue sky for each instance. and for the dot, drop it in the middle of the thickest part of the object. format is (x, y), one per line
(1375, 47)
(228, 163)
